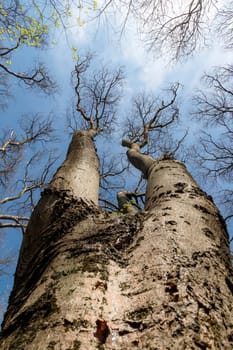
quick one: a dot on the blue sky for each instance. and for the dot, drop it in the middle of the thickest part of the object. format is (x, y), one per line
(143, 71)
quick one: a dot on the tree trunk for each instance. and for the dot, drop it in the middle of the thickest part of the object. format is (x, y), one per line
(156, 279)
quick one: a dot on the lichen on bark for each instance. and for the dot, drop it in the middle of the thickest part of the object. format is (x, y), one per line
(160, 278)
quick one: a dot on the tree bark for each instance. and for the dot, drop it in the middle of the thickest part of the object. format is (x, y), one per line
(156, 279)
(79, 174)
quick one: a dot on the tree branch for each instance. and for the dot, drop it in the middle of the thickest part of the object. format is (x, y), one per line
(98, 94)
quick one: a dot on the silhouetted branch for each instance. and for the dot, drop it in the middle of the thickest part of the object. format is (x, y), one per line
(98, 94)
(19, 183)
(214, 107)
(150, 114)
(178, 28)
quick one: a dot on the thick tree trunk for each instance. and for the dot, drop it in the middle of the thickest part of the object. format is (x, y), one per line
(79, 174)
(157, 279)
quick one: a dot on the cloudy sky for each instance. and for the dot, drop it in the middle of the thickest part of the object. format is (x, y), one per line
(144, 71)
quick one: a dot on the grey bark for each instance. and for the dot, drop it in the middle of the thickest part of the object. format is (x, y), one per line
(78, 177)
(79, 174)
(157, 279)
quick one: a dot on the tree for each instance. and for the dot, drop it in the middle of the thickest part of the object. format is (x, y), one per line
(31, 25)
(177, 27)
(160, 277)
(214, 107)
(20, 26)
(19, 184)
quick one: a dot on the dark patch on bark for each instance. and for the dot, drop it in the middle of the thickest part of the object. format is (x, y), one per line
(156, 188)
(51, 345)
(101, 285)
(201, 255)
(171, 222)
(67, 212)
(94, 263)
(223, 223)
(135, 324)
(172, 289)
(27, 324)
(161, 194)
(138, 319)
(202, 209)
(180, 187)
(229, 284)
(102, 331)
(166, 214)
(75, 324)
(76, 345)
(174, 195)
(207, 232)
(201, 344)
(135, 343)
(113, 240)
(187, 222)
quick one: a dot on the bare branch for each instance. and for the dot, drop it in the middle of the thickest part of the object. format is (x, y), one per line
(224, 24)
(14, 221)
(150, 114)
(177, 28)
(111, 178)
(20, 194)
(38, 78)
(216, 105)
(98, 94)
(35, 130)
(215, 108)
(107, 205)
(19, 182)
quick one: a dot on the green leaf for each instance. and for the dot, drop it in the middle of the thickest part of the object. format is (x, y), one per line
(75, 57)
(95, 5)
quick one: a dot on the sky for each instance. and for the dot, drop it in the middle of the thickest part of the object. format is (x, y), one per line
(144, 71)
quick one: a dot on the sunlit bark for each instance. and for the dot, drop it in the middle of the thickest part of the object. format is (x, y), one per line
(159, 278)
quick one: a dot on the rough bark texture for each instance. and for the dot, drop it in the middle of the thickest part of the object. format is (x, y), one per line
(158, 279)
(78, 177)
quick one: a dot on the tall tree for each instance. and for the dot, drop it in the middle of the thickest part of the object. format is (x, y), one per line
(33, 25)
(160, 277)
(29, 26)
(213, 106)
(177, 27)
(19, 183)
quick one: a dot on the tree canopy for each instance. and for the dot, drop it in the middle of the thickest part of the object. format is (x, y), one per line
(177, 28)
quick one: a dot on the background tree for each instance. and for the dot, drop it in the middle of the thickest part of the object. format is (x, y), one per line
(174, 27)
(19, 183)
(33, 25)
(214, 107)
(22, 26)
(156, 278)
